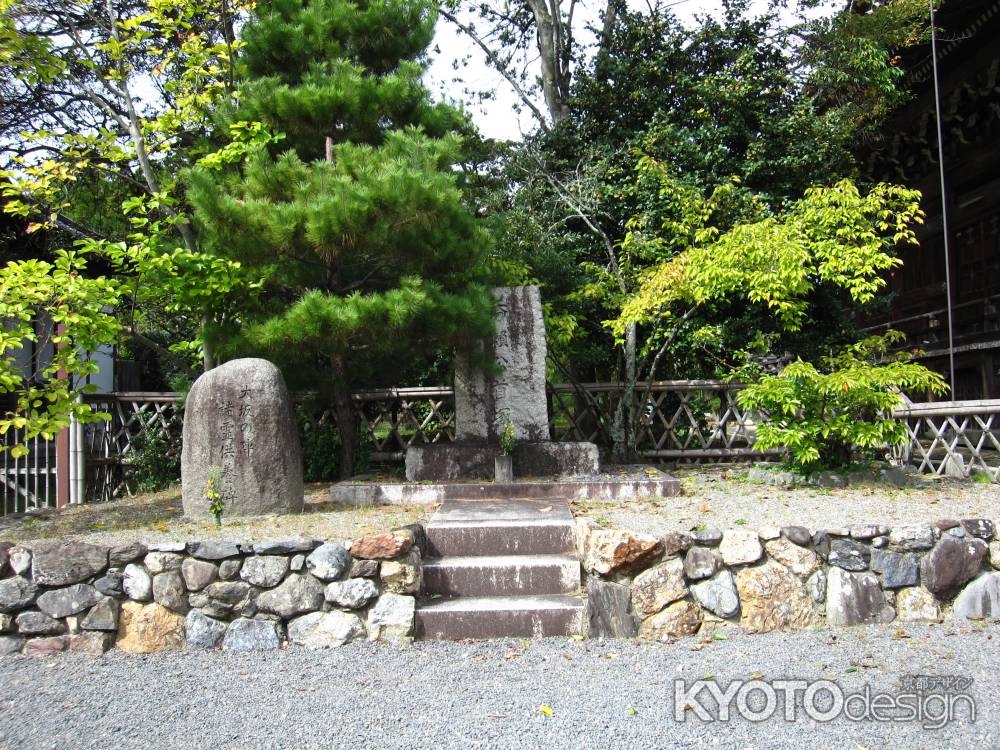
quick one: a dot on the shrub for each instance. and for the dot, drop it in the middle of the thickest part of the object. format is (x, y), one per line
(154, 460)
(826, 415)
(321, 446)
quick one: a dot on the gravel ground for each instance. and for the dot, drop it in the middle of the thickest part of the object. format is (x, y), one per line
(602, 694)
(724, 499)
(157, 518)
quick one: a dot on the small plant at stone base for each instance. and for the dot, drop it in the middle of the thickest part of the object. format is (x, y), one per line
(214, 495)
(507, 438)
(825, 415)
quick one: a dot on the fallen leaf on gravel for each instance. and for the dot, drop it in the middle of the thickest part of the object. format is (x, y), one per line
(720, 637)
(900, 634)
(703, 508)
(756, 676)
(632, 712)
(546, 710)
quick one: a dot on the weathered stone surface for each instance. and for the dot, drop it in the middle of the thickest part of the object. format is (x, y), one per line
(740, 547)
(951, 563)
(296, 595)
(325, 629)
(5, 548)
(10, 644)
(402, 576)
(239, 417)
(675, 542)
(657, 587)
(797, 535)
(122, 554)
(45, 646)
(718, 594)
(617, 551)
(17, 593)
(980, 600)
(707, 537)
(213, 550)
(167, 546)
(381, 546)
(981, 528)
(956, 532)
(224, 598)
(168, 590)
(484, 403)
(33, 622)
(364, 569)
(864, 533)
(353, 593)
(265, 571)
(913, 538)
(609, 610)
(110, 584)
(247, 634)
(137, 583)
(880, 542)
(849, 555)
(203, 631)
(63, 563)
(701, 562)
(995, 554)
(286, 546)
(898, 569)
(767, 533)
(817, 586)
(821, 541)
(147, 628)
(416, 533)
(800, 560)
(103, 615)
(19, 559)
(6, 623)
(198, 574)
(391, 619)
(679, 619)
(161, 562)
(69, 600)
(855, 598)
(328, 561)
(773, 598)
(92, 642)
(229, 570)
(917, 604)
(298, 563)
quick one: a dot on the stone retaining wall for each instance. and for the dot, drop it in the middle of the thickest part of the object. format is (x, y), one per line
(787, 578)
(58, 596)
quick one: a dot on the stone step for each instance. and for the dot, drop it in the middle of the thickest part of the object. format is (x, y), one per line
(502, 575)
(500, 617)
(507, 527)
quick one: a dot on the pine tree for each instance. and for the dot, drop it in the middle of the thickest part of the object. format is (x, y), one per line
(358, 227)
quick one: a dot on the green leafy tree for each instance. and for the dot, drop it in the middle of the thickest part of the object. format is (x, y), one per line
(76, 309)
(828, 414)
(358, 227)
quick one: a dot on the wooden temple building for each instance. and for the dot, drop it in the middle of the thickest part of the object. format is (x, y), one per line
(907, 153)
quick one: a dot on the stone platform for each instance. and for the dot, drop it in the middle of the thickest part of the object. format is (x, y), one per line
(474, 460)
(500, 569)
(610, 486)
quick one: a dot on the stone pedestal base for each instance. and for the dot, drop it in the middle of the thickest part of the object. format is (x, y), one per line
(451, 461)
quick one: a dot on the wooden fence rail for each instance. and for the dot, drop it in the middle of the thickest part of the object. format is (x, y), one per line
(690, 421)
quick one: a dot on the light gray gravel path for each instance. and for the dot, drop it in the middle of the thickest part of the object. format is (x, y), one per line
(614, 694)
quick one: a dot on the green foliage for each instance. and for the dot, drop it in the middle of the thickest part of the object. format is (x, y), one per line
(823, 414)
(833, 236)
(321, 447)
(213, 494)
(79, 311)
(507, 439)
(154, 460)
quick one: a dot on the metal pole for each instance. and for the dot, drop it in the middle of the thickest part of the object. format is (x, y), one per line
(944, 201)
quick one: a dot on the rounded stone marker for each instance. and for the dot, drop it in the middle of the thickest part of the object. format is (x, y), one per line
(239, 422)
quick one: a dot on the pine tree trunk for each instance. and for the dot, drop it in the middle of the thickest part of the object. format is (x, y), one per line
(343, 415)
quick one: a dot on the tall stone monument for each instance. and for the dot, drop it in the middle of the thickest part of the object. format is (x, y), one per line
(485, 402)
(239, 425)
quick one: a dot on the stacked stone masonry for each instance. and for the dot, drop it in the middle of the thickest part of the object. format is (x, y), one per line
(788, 578)
(72, 596)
